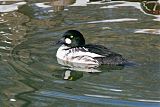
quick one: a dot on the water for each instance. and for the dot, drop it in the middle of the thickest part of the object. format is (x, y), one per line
(30, 74)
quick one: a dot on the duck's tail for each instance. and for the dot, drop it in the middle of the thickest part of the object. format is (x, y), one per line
(112, 60)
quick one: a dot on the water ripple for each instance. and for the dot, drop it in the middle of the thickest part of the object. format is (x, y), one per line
(113, 20)
(149, 31)
(97, 99)
(30, 72)
(136, 5)
(11, 7)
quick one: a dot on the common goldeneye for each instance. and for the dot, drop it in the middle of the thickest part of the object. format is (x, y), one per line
(74, 49)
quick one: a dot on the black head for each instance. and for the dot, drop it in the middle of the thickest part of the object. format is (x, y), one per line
(72, 38)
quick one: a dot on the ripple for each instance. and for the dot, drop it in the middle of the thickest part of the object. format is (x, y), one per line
(145, 100)
(123, 4)
(5, 47)
(136, 5)
(97, 2)
(11, 7)
(91, 98)
(24, 52)
(80, 3)
(113, 20)
(148, 31)
(43, 5)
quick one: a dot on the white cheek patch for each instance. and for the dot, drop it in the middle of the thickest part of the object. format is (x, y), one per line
(68, 41)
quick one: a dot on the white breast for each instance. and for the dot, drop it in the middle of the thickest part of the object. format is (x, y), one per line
(77, 56)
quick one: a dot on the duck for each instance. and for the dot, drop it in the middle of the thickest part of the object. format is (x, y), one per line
(73, 49)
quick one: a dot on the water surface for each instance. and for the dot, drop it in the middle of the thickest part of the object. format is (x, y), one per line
(30, 74)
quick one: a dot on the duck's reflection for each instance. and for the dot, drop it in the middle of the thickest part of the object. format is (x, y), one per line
(67, 74)
(74, 71)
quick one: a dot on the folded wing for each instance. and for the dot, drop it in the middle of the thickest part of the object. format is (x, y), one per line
(110, 57)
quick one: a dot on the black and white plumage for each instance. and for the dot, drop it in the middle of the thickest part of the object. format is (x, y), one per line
(75, 50)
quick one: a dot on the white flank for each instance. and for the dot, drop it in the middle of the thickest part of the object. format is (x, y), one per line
(79, 66)
(73, 55)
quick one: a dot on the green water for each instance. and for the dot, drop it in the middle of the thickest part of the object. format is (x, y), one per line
(31, 76)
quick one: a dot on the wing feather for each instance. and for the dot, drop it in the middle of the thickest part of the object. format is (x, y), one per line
(109, 56)
(99, 49)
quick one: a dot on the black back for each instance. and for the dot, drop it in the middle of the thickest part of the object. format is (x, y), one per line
(110, 57)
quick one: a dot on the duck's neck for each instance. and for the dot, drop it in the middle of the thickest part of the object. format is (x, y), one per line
(64, 47)
(61, 52)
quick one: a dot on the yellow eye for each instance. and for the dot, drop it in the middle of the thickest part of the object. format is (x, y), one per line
(71, 36)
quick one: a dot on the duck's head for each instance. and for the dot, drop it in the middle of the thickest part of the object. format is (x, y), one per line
(72, 38)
